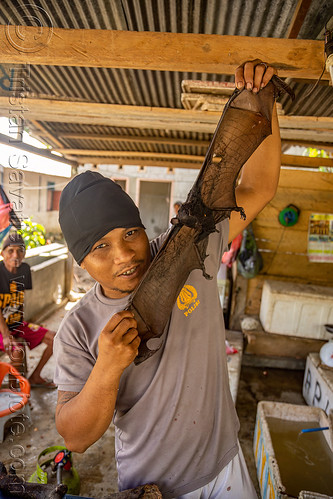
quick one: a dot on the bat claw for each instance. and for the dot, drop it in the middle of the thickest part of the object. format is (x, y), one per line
(175, 221)
(242, 214)
(206, 276)
(144, 352)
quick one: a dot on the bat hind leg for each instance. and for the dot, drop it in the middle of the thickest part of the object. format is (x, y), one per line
(201, 260)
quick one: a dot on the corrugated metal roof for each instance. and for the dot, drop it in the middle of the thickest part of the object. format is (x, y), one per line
(261, 18)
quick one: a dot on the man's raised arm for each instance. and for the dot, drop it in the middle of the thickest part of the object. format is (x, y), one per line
(260, 174)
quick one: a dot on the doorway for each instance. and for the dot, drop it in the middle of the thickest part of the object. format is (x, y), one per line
(154, 205)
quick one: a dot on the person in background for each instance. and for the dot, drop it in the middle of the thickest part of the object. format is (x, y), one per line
(15, 278)
(176, 207)
(175, 420)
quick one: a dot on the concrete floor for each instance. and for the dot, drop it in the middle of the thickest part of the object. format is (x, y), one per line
(96, 467)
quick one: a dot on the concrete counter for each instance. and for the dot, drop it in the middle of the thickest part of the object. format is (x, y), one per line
(51, 270)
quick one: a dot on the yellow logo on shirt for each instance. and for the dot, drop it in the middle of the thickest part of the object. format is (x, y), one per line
(187, 299)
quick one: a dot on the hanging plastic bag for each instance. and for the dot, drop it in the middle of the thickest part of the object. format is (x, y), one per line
(249, 260)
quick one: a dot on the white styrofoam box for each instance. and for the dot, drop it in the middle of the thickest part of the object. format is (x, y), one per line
(268, 471)
(318, 384)
(296, 309)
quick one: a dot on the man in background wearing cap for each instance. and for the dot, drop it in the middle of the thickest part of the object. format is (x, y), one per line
(175, 420)
(15, 278)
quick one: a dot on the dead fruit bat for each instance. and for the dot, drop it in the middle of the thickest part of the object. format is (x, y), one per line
(245, 123)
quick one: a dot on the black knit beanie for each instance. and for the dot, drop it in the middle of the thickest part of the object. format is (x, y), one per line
(92, 205)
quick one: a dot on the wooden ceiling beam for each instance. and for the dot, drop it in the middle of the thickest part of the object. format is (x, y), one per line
(295, 26)
(83, 160)
(286, 159)
(308, 138)
(305, 161)
(301, 135)
(185, 52)
(135, 140)
(308, 122)
(307, 143)
(92, 113)
(45, 153)
(132, 154)
(146, 117)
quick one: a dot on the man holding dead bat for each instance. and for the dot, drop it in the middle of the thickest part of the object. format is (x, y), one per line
(175, 421)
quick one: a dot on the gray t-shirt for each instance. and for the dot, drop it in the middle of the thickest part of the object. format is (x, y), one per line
(175, 420)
